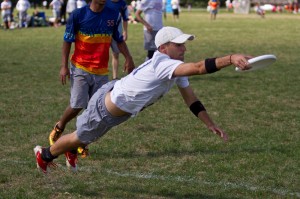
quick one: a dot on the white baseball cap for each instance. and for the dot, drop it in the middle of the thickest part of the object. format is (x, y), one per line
(171, 34)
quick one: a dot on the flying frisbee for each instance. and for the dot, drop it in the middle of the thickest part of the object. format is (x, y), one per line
(259, 62)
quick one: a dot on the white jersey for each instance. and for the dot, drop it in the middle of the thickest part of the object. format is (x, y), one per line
(147, 83)
(175, 4)
(45, 3)
(56, 5)
(153, 12)
(4, 6)
(71, 6)
(23, 5)
(80, 3)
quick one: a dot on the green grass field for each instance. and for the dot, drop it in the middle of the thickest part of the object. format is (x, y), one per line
(165, 152)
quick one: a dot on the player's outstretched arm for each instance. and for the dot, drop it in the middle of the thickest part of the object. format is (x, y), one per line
(211, 65)
(199, 111)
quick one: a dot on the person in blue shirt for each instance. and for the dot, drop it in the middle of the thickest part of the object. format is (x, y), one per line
(91, 29)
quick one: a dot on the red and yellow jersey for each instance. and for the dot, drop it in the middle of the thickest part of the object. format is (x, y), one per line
(213, 4)
(91, 53)
(92, 33)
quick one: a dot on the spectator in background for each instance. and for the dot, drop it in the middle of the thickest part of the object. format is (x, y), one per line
(45, 4)
(6, 13)
(189, 6)
(131, 13)
(22, 7)
(152, 22)
(274, 9)
(38, 19)
(175, 9)
(56, 8)
(228, 5)
(71, 6)
(295, 6)
(259, 10)
(279, 8)
(80, 3)
(121, 7)
(214, 6)
(63, 17)
(133, 4)
(137, 4)
(165, 8)
(13, 5)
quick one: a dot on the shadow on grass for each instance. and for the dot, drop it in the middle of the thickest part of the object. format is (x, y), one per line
(138, 191)
(142, 191)
(182, 153)
(218, 78)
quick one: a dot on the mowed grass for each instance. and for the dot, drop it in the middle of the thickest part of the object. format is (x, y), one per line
(165, 152)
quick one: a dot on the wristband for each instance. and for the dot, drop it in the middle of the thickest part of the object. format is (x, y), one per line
(197, 107)
(210, 65)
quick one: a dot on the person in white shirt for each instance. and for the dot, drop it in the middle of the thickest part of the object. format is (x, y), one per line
(56, 6)
(22, 7)
(152, 21)
(118, 100)
(71, 6)
(175, 9)
(45, 4)
(6, 13)
(164, 8)
(80, 3)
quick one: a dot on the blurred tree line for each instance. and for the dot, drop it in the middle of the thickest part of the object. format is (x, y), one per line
(194, 3)
(183, 3)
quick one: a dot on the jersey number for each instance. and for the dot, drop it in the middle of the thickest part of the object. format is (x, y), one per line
(110, 22)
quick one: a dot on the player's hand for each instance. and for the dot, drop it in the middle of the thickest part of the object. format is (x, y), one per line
(216, 130)
(125, 37)
(241, 61)
(64, 74)
(128, 65)
(149, 28)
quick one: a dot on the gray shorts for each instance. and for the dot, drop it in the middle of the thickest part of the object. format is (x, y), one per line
(83, 86)
(56, 14)
(114, 46)
(214, 11)
(6, 17)
(149, 38)
(95, 121)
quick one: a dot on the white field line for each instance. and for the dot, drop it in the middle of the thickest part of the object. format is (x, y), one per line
(228, 185)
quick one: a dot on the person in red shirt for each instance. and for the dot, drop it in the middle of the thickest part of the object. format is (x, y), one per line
(214, 6)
